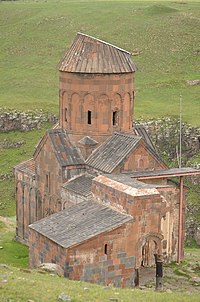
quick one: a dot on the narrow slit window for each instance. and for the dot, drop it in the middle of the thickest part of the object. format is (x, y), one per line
(47, 182)
(66, 115)
(114, 118)
(106, 249)
(89, 117)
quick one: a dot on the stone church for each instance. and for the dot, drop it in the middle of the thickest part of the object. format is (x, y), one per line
(96, 198)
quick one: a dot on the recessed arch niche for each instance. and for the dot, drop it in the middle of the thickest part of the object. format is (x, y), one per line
(103, 113)
(76, 109)
(89, 112)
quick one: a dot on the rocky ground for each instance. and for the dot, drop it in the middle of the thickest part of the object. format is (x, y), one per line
(183, 279)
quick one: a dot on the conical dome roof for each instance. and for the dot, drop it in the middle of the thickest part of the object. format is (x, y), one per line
(91, 55)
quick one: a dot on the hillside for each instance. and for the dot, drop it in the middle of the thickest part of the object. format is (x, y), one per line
(162, 35)
(34, 34)
(19, 284)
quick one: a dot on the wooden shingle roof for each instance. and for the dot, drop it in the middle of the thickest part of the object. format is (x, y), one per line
(90, 55)
(79, 223)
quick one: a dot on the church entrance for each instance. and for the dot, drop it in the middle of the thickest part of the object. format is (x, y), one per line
(149, 247)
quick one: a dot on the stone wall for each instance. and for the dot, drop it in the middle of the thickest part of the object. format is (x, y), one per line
(103, 259)
(11, 120)
(165, 133)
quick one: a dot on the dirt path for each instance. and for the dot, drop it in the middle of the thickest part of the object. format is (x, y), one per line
(10, 223)
(182, 279)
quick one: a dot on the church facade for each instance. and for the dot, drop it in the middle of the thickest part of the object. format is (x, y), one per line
(96, 198)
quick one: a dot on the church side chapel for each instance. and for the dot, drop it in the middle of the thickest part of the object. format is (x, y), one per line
(96, 198)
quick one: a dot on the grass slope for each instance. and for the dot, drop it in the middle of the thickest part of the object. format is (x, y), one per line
(35, 34)
(9, 157)
(11, 252)
(23, 287)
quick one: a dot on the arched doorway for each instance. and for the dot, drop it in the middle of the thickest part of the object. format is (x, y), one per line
(148, 247)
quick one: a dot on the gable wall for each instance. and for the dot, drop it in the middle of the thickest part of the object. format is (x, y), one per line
(43, 250)
(140, 160)
(48, 179)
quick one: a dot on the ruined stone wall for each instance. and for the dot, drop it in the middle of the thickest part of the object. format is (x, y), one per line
(11, 120)
(114, 196)
(170, 223)
(72, 171)
(153, 214)
(164, 133)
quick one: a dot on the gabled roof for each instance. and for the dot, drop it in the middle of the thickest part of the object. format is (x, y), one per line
(79, 223)
(90, 55)
(66, 153)
(80, 185)
(112, 152)
(27, 167)
(141, 131)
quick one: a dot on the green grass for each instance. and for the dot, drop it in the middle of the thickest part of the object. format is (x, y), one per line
(13, 253)
(23, 286)
(12, 156)
(35, 34)
(7, 198)
(33, 37)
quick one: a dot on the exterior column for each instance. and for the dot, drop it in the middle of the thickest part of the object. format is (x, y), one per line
(159, 271)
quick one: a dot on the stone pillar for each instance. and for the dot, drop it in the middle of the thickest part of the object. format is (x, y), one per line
(159, 271)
